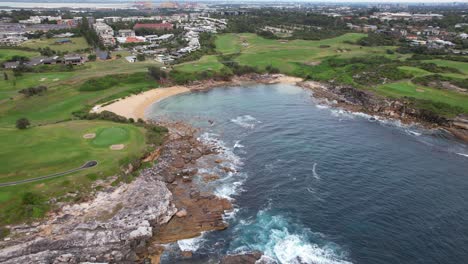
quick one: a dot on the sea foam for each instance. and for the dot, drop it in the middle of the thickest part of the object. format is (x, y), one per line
(245, 121)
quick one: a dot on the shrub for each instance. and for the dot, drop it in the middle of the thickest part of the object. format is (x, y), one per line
(22, 123)
(33, 90)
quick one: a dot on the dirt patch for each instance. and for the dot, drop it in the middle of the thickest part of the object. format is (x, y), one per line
(117, 147)
(419, 90)
(313, 63)
(89, 135)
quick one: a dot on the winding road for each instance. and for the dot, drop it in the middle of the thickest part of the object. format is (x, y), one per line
(88, 164)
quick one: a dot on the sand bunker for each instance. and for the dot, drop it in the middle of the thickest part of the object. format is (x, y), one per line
(89, 135)
(117, 147)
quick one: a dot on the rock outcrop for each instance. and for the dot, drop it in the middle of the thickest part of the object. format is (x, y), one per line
(403, 109)
(114, 227)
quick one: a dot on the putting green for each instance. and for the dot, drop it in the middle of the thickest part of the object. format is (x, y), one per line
(110, 136)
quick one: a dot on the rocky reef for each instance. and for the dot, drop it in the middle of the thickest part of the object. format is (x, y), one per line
(357, 100)
(127, 223)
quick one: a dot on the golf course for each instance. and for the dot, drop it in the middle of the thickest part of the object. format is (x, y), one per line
(62, 136)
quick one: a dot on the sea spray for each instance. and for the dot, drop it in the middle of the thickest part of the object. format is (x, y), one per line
(284, 242)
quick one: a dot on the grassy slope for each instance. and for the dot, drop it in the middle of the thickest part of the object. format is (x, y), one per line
(262, 52)
(77, 43)
(206, 63)
(406, 88)
(63, 97)
(6, 54)
(54, 148)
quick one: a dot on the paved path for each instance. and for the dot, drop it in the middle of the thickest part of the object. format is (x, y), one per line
(87, 165)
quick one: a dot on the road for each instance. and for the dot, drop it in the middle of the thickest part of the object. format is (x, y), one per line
(87, 165)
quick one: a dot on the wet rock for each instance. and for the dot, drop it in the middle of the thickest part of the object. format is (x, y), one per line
(210, 177)
(189, 172)
(247, 258)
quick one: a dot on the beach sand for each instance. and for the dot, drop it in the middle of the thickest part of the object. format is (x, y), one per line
(135, 105)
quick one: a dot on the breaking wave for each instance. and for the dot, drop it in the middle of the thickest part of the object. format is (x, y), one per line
(284, 242)
(245, 121)
(191, 244)
(231, 181)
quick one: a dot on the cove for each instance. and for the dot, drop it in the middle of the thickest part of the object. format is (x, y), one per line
(321, 185)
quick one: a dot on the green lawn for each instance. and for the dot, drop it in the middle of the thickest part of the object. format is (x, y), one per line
(77, 43)
(206, 63)
(108, 136)
(283, 54)
(406, 88)
(55, 148)
(6, 54)
(9, 88)
(462, 66)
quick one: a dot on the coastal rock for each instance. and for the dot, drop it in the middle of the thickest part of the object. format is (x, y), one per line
(247, 258)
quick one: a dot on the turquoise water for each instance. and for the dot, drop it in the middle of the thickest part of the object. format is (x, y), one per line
(320, 185)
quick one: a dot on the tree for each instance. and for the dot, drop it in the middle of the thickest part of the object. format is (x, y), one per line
(22, 123)
(92, 57)
(141, 57)
(5, 76)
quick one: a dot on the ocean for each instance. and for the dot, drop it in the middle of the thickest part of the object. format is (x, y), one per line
(314, 184)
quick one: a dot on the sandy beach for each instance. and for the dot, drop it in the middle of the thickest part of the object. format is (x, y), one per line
(135, 106)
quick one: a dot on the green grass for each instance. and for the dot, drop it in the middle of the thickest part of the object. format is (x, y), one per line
(414, 71)
(9, 88)
(462, 66)
(7, 54)
(206, 63)
(77, 43)
(406, 88)
(108, 136)
(54, 148)
(285, 55)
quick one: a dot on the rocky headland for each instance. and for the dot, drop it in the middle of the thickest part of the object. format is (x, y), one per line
(356, 100)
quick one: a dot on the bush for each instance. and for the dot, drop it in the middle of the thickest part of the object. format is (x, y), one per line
(33, 90)
(272, 70)
(22, 123)
(106, 82)
(92, 57)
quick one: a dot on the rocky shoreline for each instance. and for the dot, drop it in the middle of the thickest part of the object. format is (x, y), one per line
(355, 100)
(131, 222)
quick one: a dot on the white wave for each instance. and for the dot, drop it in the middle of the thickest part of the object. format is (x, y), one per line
(463, 154)
(414, 133)
(321, 106)
(237, 144)
(316, 176)
(191, 244)
(230, 183)
(311, 190)
(284, 242)
(293, 249)
(245, 121)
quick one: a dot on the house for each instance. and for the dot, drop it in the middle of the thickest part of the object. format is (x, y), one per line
(131, 59)
(155, 26)
(124, 33)
(73, 59)
(11, 64)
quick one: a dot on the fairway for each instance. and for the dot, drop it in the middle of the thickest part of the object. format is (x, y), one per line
(7, 54)
(49, 149)
(110, 136)
(76, 44)
(400, 89)
(206, 63)
(286, 54)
